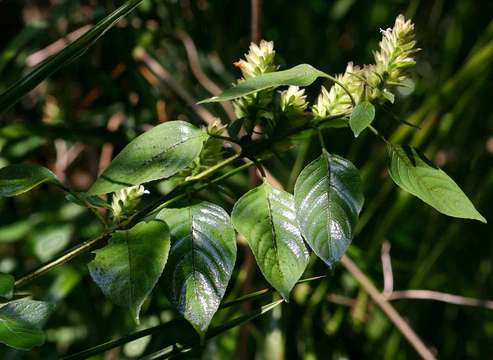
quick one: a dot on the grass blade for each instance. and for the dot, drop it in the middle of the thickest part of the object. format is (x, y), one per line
(21, 87)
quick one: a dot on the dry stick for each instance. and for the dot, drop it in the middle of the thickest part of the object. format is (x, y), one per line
(166, 78)
(202, 78)
(388, 278)
(390, 294)
(65, 156)
(113, 124)
(43, 54)
(388, 309)
(256, 21)
(440, 296)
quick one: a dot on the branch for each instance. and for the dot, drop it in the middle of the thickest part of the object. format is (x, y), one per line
(440, 296)
(91, 244)
(388, 278)
(202, 78)
(83, 248)
(164, 76)
(256, 21)
(388, 309)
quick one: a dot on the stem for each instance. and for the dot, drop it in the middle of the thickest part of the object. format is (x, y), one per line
(88, 206)
(90, 244)
(375, 131)
(83, 248)
(321, 138)
(152, 209)
(212, 169)
(225, 138)
(98, 349)
(256, 20)
(334, 80)
(388, 309)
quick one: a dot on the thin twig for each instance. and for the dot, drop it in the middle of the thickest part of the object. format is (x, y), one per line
(256, 21)
(41, 55)
(83, 248)
(388, 278)
(388, 309)
(440, 296)
(202, 78)
(65, 156)
(167, 79)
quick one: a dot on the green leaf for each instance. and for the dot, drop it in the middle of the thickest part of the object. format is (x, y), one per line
(300, 75)
(413, 172)
(83, 199)
(68, 54)
(20, 178)
(361, 117)
(266, 217)
(21, 322)
(202, 258)
(328, 199)
(6, 285)
(128, 268)
(157, 154)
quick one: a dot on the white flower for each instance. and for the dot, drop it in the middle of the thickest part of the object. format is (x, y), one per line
(125, 201)
(259, 60)
(293, 100)
(395, 56)
(336, 101)
(373, 82)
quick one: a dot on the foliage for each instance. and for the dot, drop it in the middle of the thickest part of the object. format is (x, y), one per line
(172, 253)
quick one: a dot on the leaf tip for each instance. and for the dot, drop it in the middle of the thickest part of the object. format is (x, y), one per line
(481, 218)
(208, 100)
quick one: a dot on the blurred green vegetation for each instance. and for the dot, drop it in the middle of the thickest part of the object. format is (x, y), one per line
(70, 119)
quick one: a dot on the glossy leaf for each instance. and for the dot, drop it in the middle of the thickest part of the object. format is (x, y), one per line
(6, 285)
(361, 117)
(266, 217)
(300, 75)
(21, 322)
(328, 199)
(128, 268)
(157, 154)
(68, 54)
(202, 258)
(20, 178)
(413, 172)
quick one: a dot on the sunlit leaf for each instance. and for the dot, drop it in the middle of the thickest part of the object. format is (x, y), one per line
(361, 117)
(417, 175)
(328, 198)
(128, 268)
(157, 154)
(300, 75)
(20, 178)
(21, 322)
(201, 260)
(266, 217)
